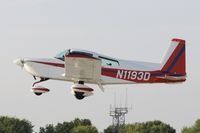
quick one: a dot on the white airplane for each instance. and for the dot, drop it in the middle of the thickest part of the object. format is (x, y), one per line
(80, 66)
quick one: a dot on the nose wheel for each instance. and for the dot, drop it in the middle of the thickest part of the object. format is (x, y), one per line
(39, 90)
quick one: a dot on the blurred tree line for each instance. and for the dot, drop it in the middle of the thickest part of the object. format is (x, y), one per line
(75, 126)
(15, 125)
(193, 129)
(147, 127)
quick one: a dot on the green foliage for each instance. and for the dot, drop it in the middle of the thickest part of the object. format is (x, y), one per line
(194, 129)
(49, 129)
(84, 129)
(186, 130)
(109, 129)
(14, 125)
(75, 126)
(64, 127)
(148, 127)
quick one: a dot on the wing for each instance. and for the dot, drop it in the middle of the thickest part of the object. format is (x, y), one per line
(81, 68)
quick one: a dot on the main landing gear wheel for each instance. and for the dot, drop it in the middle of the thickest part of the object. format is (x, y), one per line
(81, 91)
(38, 94)
(79, 95)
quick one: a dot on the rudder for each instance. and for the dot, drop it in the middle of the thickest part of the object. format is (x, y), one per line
(174, 61)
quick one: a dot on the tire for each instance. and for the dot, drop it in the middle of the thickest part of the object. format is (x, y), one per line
(79, 95)
(38, 93)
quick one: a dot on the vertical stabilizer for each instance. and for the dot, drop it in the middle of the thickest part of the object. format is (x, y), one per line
(174, 61)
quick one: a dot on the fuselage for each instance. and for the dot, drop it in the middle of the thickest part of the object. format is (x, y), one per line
(113, 71)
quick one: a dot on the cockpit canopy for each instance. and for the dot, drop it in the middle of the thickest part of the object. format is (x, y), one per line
(62, 54)
(106, 61)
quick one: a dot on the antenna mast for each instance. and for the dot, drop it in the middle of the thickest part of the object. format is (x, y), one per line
(118, 115)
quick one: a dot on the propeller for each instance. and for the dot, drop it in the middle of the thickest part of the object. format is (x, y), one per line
(19, 62)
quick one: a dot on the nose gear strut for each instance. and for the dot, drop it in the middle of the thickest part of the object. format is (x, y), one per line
(41, 80)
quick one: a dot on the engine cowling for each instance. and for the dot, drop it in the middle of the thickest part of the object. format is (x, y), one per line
(80, 91)
(39, 90)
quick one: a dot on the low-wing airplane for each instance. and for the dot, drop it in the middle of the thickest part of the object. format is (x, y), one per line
(80, 66)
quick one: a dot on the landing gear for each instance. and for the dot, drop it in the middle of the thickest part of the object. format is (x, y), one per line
(79, 90)
(81, 82)
(38, 93)
(41, 80)
(39, 90)
(79, 95)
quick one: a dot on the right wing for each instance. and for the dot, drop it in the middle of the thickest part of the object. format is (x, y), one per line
(81, 68)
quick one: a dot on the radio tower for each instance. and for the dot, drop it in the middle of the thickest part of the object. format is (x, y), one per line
(118, 116)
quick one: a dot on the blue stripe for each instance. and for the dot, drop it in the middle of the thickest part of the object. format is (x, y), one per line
(168, 74)
(158, 74)
(176, 59)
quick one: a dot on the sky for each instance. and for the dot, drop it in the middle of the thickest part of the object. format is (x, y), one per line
(129, 29)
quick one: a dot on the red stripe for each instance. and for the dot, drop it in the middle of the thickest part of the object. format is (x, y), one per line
(40, 89)
(172, 57)
(154, 78)
(178, 40)
(112, 72)
(84, 89)
(51, 64)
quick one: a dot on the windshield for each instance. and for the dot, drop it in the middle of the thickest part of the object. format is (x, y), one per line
(62, 54)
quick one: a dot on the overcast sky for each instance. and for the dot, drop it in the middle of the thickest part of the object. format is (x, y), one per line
(127, 29)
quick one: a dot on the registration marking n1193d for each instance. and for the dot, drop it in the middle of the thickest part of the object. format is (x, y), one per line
(133, 75)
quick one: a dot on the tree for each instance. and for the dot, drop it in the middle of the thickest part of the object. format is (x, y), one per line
(48, 129)
(15, 125)
(64, 127)
(194, 129)
(84, 129)
(75, 126)
(109, 129)
(152, 127)
(148, 127)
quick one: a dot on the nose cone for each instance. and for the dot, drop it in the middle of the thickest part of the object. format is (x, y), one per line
(19, 62)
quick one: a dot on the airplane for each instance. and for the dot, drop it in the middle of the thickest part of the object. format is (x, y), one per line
(81, 66)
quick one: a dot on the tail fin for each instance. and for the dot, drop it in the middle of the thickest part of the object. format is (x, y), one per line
(174, 61)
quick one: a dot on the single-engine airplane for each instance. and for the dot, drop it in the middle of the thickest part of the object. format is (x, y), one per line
(81, 66)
